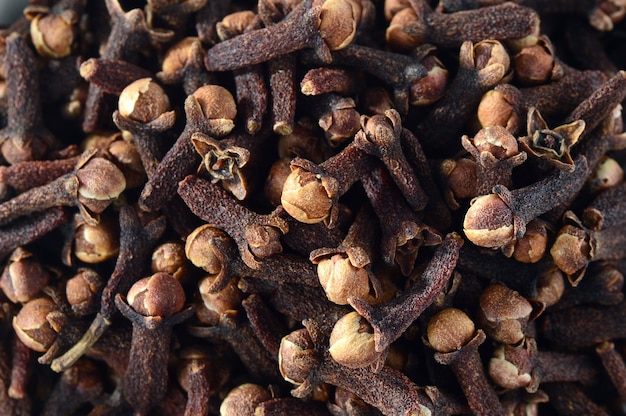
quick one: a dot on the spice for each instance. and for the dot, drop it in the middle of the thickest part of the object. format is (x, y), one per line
(25, 136)
(499, 219)
(524, 366)
(152, 314)
(453, 336)
(324, 26)
(302, 364)
(195, 104)
(403, 231)
(499, 22)
(404, 309)
(256, 235)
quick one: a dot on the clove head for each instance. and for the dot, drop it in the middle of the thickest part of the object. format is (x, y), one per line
(341, 280)
(202, 251)
(338, 22)
(23, 277)
(449, 330)
(497, 141)
(503, 314)
(32, 326)
(305, 198)
(158, 295)
(243, 400)
(211, 305)
(100, 182)
(54, 35)
(352, 342)
(143, 100)
(489, 222)
(571, 251)
(297, 356)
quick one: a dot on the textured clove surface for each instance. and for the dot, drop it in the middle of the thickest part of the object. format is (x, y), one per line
(314, 184)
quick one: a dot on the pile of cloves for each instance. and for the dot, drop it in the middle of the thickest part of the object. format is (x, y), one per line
(313, 207)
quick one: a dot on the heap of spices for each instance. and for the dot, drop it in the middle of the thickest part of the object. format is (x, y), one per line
(313, 207)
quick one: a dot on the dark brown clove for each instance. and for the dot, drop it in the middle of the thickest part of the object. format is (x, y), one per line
(153, 314)
(136, 241)
(92, 186)
(499, 219)
(499, 22)
(575, 246)
(305, 362)
(129, 33)
(323, 26)
(311, 191)
(346, 271)
(403, 232)
(452, 335)
(381, 137)
(481, 67)
(25, 136)
(256, 235)
(524, 366)
(211, 110)
(212, 250)
(405, 309)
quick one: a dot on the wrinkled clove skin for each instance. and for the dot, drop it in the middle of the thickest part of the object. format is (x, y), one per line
(184, 63)
(153, 314)
(303, 28)
(614, 366)
(92, 186)
(322, 80)
(404, 309)
(414, 117)
(481, 67)
(500, 22)
(336, 115)
(381, 137)
(584, 326)
(210, 110)
(256, 235)
(452, 335)
(252, 94)
(311, 191)
(26, 175)
(236, 331)
(605, 211)
(212, 250)
(576, 246)
(77, 386)
(112, 76)
(499, 219)
(136, 243)
(25, 136)
(28, 229)
(305, 362)
(524, 366)
(603, 286)
(129, 33)
(400, 72)
(507, 105)
(600, 103)
(496, 153)
(345, 271)
(521, 277)
(403, 232)
(569, 398)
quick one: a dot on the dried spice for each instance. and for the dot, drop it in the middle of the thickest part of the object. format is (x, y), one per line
(344, 207)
